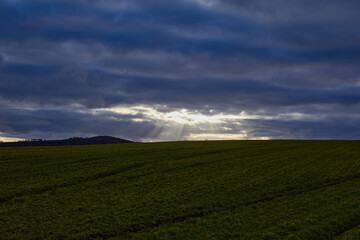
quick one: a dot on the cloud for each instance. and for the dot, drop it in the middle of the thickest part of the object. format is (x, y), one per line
(213, 57)
(71, 121)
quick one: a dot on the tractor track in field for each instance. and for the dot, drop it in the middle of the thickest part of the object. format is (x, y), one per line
(79, 180)
(288, 192)
(354, 224)
(71, 182)
(207, 153)
(175, 169)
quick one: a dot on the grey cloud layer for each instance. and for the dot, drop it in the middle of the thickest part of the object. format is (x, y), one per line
(228, 56)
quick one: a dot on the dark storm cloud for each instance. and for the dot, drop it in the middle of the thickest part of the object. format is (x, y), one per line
(98, 89)
(221, 55)
(330, 129)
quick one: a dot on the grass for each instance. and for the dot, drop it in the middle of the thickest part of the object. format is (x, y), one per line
(182, 190)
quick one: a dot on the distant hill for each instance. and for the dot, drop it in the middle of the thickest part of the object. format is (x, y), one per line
(65, 142)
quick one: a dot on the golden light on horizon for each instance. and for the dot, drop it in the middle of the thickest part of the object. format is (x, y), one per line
(9, 139)
(174, 123)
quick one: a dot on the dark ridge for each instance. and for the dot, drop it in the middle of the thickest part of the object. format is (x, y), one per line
(66, 142)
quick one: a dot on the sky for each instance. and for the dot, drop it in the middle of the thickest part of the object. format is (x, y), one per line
(180, 70)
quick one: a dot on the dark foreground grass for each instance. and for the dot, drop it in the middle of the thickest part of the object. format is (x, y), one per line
(182, 190)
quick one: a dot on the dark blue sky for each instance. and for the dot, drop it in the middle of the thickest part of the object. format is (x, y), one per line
(183, 69)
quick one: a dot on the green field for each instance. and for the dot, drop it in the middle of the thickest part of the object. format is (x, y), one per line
(182, 190)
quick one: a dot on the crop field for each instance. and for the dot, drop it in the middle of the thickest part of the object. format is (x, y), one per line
(182, 190)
